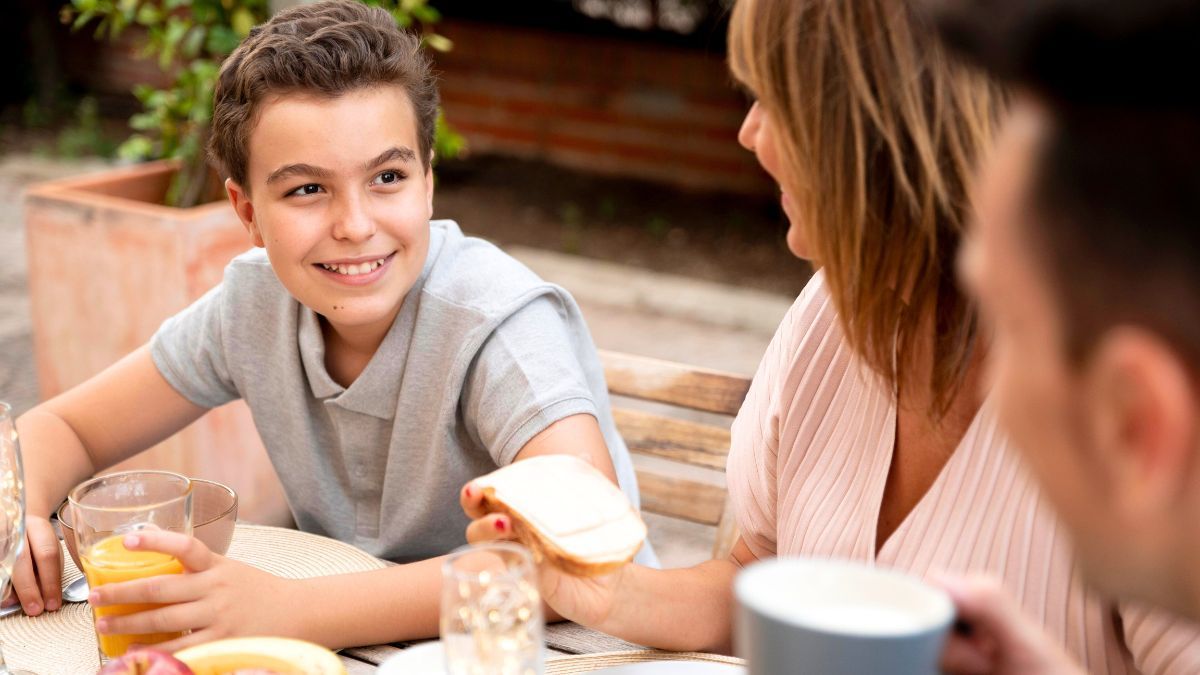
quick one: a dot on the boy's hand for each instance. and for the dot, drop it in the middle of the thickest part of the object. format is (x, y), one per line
(586, 601)
(215, 597)
(998, 638)
(37, 574)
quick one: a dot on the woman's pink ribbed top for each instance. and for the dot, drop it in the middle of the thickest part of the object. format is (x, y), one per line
(810, 456)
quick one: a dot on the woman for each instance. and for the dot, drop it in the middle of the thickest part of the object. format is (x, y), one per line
(865, 435)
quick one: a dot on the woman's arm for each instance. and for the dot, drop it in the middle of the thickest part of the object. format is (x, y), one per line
(688, 609)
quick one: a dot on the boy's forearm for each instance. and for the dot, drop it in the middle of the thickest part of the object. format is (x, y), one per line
(369, 608)
(679, 609)
(55, 460)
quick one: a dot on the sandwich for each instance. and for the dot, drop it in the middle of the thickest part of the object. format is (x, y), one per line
(566, 512)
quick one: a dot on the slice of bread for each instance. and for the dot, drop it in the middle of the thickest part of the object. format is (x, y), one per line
(565, 511)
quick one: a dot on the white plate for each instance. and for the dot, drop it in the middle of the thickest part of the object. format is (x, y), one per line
(423, 659)
(673, 668)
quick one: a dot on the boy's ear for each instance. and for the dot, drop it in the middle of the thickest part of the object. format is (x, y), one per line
(429, 184)
(244, 210)
(1143, 418)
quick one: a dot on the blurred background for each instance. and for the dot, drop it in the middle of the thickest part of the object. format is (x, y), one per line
(595, 140)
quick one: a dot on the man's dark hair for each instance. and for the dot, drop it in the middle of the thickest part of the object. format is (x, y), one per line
(1116, 186)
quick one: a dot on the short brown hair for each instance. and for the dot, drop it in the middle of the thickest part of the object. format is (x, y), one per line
(878, 133)
(327, 48)
(1114, 217)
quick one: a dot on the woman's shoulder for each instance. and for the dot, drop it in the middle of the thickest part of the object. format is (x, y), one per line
(810, 336)
(810, 369)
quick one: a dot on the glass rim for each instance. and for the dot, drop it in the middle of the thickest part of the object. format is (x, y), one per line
(524, 553)
(75, 503)
(224, 488)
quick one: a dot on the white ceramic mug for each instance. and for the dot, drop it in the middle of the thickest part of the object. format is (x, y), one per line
(834, 617)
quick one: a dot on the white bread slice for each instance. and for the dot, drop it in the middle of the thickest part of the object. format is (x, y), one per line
(565, 511)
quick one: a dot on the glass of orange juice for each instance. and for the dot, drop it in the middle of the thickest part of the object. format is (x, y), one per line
(109, 507)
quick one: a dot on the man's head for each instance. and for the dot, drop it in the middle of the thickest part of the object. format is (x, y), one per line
(324, 121)
(1086, 261)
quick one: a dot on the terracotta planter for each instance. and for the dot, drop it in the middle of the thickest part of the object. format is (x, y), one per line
(107, 264)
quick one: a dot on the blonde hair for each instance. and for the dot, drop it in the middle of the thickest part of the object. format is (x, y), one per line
(878, 131)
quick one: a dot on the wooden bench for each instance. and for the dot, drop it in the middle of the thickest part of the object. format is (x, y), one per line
(686, 442)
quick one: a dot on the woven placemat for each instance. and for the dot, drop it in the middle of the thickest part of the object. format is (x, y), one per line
(586, 663)
(64, 643)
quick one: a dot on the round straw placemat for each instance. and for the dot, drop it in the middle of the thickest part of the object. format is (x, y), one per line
(586, 663)
(64, 643)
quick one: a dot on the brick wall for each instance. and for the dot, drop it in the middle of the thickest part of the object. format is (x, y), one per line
(597, 103)
(601, 104)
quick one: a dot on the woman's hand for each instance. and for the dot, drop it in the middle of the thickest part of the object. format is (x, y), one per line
(586, 601)
(214, 598)
(998, 639)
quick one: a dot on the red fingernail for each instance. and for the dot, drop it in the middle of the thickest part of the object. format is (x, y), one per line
(500, 525)
(468, 491)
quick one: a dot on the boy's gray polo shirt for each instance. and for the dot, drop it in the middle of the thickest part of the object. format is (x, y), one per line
(482, 357)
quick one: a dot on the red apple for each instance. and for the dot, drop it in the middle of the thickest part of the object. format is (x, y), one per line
(146, 662)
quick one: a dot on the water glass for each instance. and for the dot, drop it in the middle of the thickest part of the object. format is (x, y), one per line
(107, 508)
(491, 621)
(12, 508)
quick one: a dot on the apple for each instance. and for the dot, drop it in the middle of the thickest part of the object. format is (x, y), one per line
(146, 661)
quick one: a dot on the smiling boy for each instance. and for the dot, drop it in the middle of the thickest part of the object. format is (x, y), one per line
(386, 359)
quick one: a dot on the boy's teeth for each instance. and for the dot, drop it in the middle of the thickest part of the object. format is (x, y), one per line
(353, 270)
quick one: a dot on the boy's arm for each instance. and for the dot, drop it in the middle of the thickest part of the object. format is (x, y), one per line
(577, 435)
(125, 409)
(221, 597)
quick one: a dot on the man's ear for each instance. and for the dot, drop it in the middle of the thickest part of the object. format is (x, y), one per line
(244, 209)
(1142, 418)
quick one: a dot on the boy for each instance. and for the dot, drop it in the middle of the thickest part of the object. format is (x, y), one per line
(386, 359)
(1086, 261)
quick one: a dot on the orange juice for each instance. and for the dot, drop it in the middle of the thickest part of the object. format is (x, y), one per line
(109, 562)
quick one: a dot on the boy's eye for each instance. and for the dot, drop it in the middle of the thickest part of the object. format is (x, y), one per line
(387, 177)
(308, 189)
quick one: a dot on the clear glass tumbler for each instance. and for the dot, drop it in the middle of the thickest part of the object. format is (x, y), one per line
(107, 508)
(491, 621)
(12, 508)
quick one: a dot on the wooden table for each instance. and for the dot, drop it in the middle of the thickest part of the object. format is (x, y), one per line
(563, 638)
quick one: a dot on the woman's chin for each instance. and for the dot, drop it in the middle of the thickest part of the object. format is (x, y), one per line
(797, 245)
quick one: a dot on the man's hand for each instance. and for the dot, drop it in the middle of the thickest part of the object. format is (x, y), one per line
(995, 638)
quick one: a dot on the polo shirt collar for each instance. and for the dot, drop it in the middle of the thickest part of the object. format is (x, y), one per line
(377, 389)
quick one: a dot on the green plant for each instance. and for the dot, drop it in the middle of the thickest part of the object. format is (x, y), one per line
(85, 135)
(189, 39)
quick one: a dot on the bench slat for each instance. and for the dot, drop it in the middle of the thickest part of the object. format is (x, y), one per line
(680, 498)
(679, 440)
(665, 382)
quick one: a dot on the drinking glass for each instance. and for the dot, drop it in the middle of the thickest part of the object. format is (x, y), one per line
(491, 622)
(12, 506)
(105, 510)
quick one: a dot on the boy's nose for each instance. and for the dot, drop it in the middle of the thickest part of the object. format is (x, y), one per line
(353, 223)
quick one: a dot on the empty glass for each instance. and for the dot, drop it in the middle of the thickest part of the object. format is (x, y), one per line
(491, 621)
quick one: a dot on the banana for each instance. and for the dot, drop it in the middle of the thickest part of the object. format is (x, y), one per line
(280, 655)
